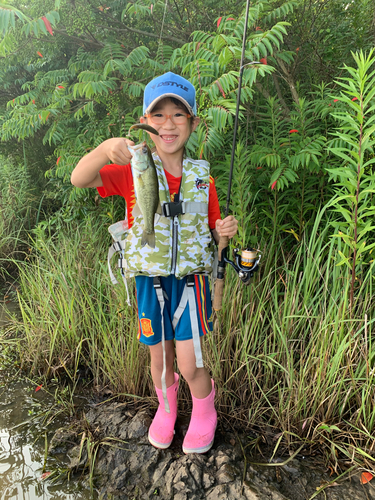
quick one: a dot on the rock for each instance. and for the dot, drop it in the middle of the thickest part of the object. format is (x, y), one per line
(218, 493)
(208, 480)
(221, 458)
(196, 474)
(119, 477)
(139, 426)
(226, 474)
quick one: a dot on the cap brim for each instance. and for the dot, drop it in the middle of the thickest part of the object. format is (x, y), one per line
(157, 99)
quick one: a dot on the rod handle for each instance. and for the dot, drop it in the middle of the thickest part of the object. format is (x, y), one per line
(219, 283)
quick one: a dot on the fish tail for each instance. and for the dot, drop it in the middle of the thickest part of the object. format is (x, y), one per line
(148, 239)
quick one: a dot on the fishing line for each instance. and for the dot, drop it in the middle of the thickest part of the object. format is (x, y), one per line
(162, 28)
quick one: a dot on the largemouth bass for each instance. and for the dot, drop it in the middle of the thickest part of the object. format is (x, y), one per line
(146, 186)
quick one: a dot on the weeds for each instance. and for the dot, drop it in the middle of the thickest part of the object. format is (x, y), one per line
(290, 352)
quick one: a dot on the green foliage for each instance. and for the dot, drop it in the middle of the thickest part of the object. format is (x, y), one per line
(18, 210)
(355, 176)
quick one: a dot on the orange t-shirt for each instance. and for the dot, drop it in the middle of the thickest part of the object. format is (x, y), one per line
(118, 179)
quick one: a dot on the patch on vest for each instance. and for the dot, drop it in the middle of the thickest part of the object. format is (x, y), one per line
(147, 327)
(199, 184)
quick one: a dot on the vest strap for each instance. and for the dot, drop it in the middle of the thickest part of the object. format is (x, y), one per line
(160, 296)
(188, 297)
(174, 208)
(116, 247)
(195, 207)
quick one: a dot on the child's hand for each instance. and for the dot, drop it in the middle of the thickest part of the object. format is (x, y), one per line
(227, 227)
(117, 150)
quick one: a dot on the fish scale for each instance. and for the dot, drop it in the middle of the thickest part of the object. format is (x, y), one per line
(146, 186)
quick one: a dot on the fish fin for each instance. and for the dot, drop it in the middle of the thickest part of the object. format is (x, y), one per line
(159, 210)
(148, 239)
(140, 181)
(136, 210)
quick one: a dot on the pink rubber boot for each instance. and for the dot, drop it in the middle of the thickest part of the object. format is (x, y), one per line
(201, 432)
(161, 431)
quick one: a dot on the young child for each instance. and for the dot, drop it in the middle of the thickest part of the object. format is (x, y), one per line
(174, 303)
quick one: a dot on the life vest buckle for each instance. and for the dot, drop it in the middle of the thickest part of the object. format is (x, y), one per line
(157, 282)
(190, 280)
(172, 209)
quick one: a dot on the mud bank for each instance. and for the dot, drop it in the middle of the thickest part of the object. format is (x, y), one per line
(127, 467)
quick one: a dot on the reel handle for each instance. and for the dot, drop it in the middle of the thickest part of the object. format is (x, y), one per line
(219, 283)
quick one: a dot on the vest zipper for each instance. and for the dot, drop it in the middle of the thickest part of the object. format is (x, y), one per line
(174, 243)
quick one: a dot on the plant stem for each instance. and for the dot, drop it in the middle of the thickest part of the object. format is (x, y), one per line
(356, 213)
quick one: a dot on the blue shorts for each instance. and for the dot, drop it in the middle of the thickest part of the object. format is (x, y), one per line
(149, 312)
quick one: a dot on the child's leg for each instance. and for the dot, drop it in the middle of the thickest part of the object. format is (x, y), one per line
(198, 379)
(201, 432)
(156, 352)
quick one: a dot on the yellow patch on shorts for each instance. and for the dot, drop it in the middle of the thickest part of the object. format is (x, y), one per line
(147, 327)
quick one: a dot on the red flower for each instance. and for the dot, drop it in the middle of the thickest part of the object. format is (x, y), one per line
(39, 54)
(294, 130)
(258, 168)
(60, 87)
(297, 49)
(38, 388)
(48, 25)
(273, 185)
(355, 99)
(33, 101)
(264, 60)
(335, 100)
(219, 21)
(230, 18)
(258, 28)
(58, 159)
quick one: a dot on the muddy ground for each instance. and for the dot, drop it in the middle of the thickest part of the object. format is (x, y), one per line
(127, 467)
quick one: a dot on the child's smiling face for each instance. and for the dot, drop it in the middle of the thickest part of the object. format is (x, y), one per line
(172, 137)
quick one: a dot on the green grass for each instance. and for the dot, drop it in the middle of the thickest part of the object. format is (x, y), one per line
(287, 353)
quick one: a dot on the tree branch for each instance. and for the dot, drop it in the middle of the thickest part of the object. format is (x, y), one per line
(286, 110)
(289, 79)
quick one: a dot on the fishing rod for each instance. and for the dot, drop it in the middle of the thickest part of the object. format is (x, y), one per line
(246, 261)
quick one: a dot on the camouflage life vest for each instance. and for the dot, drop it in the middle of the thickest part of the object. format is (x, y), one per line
(183, 242)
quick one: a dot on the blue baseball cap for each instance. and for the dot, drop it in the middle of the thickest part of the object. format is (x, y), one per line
(169, 85)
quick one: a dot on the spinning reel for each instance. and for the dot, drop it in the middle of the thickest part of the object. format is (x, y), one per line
(246, 263)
